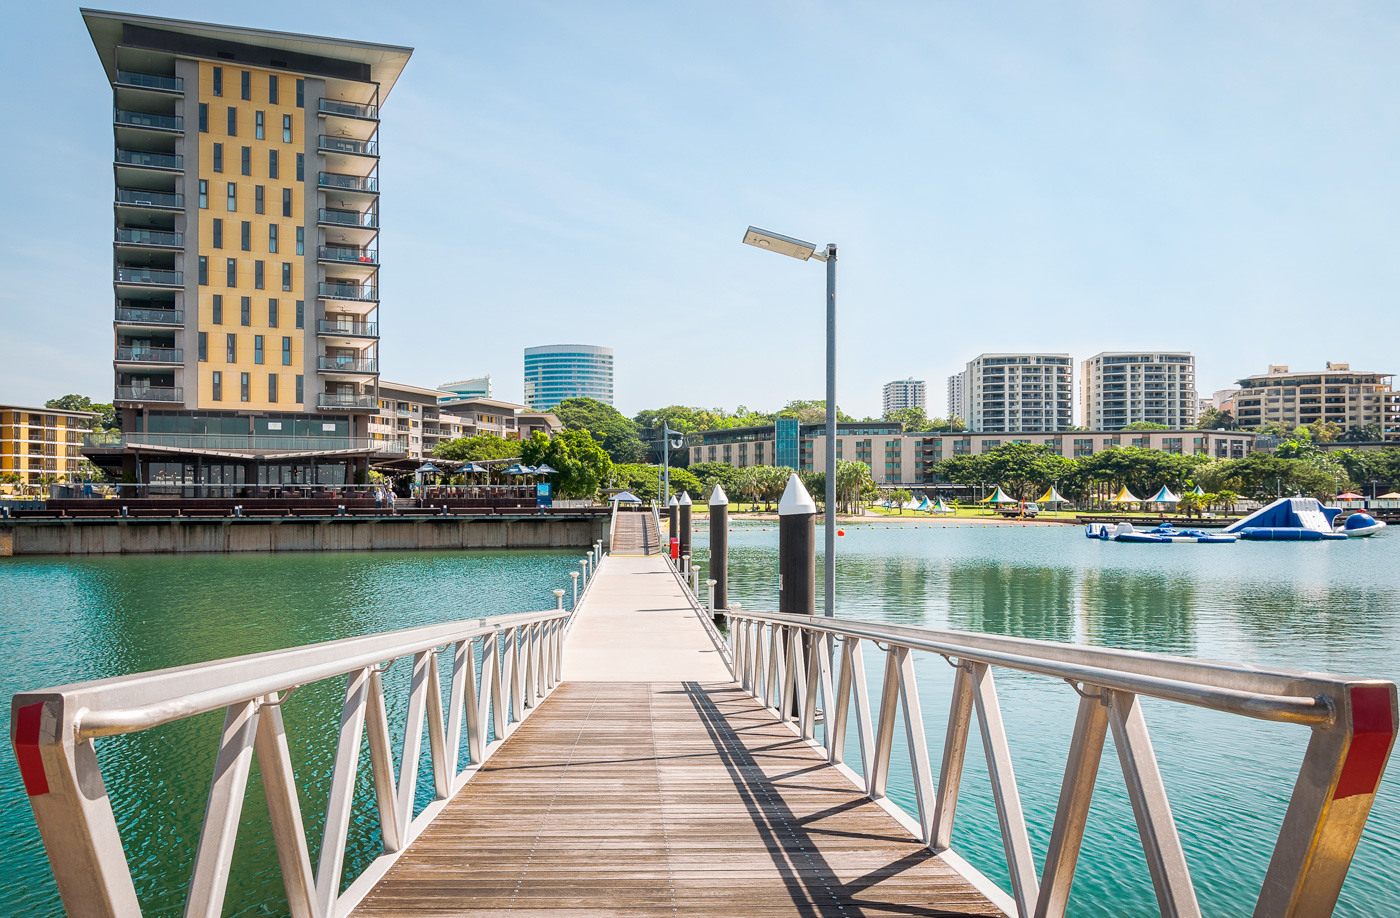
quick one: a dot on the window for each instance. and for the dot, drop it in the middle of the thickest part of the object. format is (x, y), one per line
(232, 121)
(286, 128)
(271, 313)
(301, 103)
(247, 91)
(218, 309)
(218, 81)
(272, 239)
(230, 348)
(287, 276)
(301, 316)
(231, 272)
(232, 204)
(272, 380)
(300, 399)
(203, 347)
(272, 164)
(286, 351)
(218, 233)
(301, 167)
(247, 168)
(257, 349)
(204, 117)
(203, 194)
(218, 157)
(301, 240)
(203, 270)
(218, 388)
(243, 387)
(286, 202)
(258, 123)
(272, 89)
(259, 192)
(245, 309)
(258, 274)
(246, 238)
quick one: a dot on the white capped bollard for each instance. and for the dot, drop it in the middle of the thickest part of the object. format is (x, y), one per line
(574, 576)
(710, 589)
(797, 550)
(694, 577)
(584, 564)
(559, 599)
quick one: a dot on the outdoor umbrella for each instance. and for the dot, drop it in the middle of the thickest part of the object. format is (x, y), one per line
(1393, 495)
(428, 467)
(626, 497)
(545, 470)
(1350, 496)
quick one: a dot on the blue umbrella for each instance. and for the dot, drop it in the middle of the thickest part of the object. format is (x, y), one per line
(545, 470)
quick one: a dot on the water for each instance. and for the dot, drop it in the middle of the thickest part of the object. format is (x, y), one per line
(1331, 606)
(67, 620)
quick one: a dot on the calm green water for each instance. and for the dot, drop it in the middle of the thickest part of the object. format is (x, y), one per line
(1332, 606)
(67, 620)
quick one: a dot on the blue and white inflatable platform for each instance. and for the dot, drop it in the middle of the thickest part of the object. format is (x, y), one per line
(1301, 519)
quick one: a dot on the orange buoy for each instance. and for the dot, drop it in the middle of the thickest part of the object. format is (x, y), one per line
(840, 532)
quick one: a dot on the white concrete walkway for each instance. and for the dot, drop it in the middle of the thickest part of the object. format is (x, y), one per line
(636, 624)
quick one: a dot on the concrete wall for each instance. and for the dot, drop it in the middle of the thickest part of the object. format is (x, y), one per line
(129, 536)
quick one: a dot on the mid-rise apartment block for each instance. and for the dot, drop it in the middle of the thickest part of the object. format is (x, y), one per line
(246, 256)
(555, 372)
(1119, 388)
(1350, 398)
(413, 421)
(904, 393)
(957, 389)
(1015, 393)
(38, 443)
(480, 387)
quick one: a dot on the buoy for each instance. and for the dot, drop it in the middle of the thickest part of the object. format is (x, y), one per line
(840, 532)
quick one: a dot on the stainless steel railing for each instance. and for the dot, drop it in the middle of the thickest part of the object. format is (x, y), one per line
(798, 665)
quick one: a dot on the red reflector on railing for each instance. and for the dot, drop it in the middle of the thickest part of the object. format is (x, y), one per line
(1373, 729)
(31, 762)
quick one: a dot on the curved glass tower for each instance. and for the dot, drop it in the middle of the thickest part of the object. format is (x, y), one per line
(555, 372)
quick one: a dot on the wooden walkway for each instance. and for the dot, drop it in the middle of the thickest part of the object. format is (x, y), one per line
(661, 796)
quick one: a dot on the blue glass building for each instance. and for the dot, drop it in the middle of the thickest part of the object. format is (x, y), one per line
(555, 372)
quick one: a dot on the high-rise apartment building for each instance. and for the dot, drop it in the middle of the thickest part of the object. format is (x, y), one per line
(246, 230)
(905, 393)
(38, 443)
(957, 389)
(1351, 398)
(1119, 388)
(1016, 393)
(554, 372)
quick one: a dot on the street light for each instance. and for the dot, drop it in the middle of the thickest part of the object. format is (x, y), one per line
(796, 248)
(666, 443)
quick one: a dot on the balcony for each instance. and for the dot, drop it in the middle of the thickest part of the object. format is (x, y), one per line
(150, 277)
(167, 317)
(348, 110)
(149, 120)
(149, 81)
(147, 160)
(140, 197)
(345, 255)
(147, 237)
(367, 220)
(366, 366)
(333, 400)
(335, 180)
(348, 329)
(161, 355)
(363, 293)
(150, 394)
(347, 145)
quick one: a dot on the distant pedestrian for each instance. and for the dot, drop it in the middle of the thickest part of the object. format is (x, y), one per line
(378, 498)
(393, 499)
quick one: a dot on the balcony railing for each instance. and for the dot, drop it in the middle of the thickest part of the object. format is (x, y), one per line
(150, 81)
(150, 316)
(150, 276)
(150, 394)
(352, 329)
(234, 442)
(150, 120)
(349, 255)
(143, 198)
(131, 236)
(348, 364)
(151, 160)
(151, 354)
(362, 292)
(367, 220)
(332, 400)
(347, 145)
(349, 109)
(368, 183)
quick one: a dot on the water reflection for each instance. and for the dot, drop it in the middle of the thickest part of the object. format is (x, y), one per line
(1138, 611)
(1029, 602)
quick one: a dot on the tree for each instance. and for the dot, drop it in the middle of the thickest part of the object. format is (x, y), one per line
(898, 498)
(1146, 425)
(581, 462)
(617, 434)
(1215, 419)
(710, 474)
(474, 449)
(1362, 433)
(1325, 431)
(811, 412)
(912, 418)
(642, 480)
(854, 483)
(106, 414)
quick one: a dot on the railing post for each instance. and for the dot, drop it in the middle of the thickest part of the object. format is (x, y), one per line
(954, 754)
(209, 880)
(879, 765)
(1076, 792)
(584, 564)
(342, 793)
(1020, 864)
(284, 812)
(573, 575)
(559, 597)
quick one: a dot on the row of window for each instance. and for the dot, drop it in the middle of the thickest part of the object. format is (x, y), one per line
(231, 349)
(231, 273)
(245, 160)
(259, 196)
(246, 312)
(246, 87)
(216, 388)
(245, 238)
(231, 123)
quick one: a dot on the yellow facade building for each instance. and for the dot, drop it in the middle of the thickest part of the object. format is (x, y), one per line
(38, 443)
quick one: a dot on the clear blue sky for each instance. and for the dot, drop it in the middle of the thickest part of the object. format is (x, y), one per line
(1218, 177)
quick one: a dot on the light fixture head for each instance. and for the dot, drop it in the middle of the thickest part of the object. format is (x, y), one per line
(777, 242)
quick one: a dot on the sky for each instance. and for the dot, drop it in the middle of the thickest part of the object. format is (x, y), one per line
(1073, 177)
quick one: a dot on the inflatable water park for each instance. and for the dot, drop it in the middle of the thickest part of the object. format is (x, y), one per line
(1288, 519)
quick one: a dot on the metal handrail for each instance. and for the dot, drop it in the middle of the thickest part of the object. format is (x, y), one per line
(789, 663)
